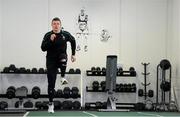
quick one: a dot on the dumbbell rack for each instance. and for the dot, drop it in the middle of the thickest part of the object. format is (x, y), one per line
(30, 80)
(124, 98)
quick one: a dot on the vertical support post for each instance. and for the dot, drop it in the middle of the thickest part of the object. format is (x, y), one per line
(111, 72)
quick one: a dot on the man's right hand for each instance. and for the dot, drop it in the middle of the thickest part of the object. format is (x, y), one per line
(53, 36)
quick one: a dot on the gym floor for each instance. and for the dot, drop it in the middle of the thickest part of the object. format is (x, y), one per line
(96, 114)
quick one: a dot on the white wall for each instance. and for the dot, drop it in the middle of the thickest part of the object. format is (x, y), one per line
(143, 35)
(142, 31)
(101, 14)
(34, 17)
(138, 28)
(144, 24)
(24, 24)
(174, 42)
(151, 35)
(0, 33)
(174, 37)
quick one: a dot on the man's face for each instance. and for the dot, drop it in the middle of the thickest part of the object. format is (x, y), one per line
(56, 26)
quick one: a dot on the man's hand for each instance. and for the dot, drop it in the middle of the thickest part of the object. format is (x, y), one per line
(73, 58)
(53, 36)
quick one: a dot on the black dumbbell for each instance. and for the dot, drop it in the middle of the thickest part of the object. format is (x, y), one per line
(41, 70)
(38, 105)
(17, 70)
(133, 87)
(117, 72)
(125, 88)
(45, 105)
(117, 87)
(98, 70)
(22, 70)
(28, 104)
(103, 85)
(95, 85)
(93, 70)
(66, 92)
(57, 105)
(128, 87)
(12, 68)
(132, 71)
(104, 71)
(36, 92)
(150, 93)
(165, 86)
(120, 71)
(67, 105)
(76, 105)
(71, 71)
(104, 105)
(34, 70)
(6, 70)
(10, 93)
(78, 71)
(87, 106)
(59, 93)
(16, 105)
(140, 92)
(74, 92)
(3, 105)
(98, 105)
(165, 64)
(139, 106)
(121, 87)
(28, 71)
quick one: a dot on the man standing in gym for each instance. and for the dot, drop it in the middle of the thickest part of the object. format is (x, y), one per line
(55, 43)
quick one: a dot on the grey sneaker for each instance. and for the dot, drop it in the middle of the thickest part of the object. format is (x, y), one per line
(51, 108)
(64, 81)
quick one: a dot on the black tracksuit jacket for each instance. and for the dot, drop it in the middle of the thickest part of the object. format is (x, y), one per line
(59, 45)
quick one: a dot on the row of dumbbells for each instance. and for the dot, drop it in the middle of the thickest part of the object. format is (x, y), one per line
(36, 92)
(96, 105)
(65, 105)
(97, 71)
(43, 105)
(150, 106)
(68, 93)
(13, 69)
(126, 87)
